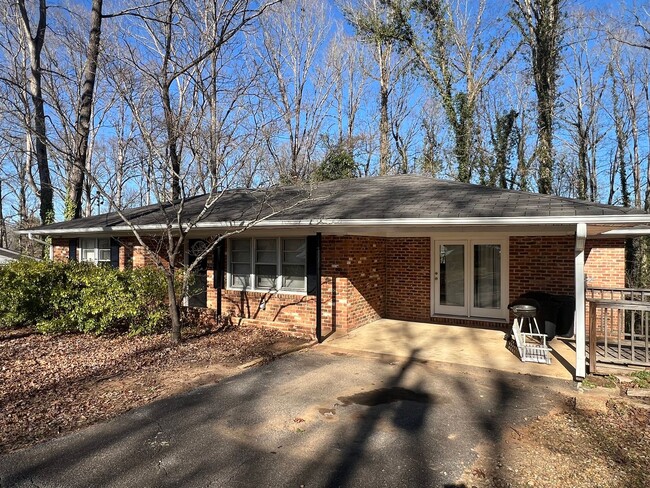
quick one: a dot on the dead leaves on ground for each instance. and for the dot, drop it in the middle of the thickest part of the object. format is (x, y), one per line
(55, 384)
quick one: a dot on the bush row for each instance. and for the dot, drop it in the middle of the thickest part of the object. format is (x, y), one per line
(81, 297)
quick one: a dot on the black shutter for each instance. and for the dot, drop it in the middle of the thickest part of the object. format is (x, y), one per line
(72, 249)
(219, 265)
(312, 264)
(115, 253)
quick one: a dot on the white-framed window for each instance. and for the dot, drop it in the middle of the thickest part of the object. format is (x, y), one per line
(96, 251)
(266, 264)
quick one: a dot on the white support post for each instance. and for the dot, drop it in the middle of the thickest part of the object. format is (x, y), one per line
(580, 329)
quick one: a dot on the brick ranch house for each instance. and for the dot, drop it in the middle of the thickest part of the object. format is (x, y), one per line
(401, 247)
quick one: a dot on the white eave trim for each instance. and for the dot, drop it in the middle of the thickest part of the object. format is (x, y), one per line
(409, 222)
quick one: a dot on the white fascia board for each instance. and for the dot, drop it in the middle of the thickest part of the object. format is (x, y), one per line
(412, 222)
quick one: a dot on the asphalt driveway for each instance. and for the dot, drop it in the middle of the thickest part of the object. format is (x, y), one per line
(309, 419)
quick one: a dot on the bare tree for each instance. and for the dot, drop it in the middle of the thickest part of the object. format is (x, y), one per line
(297, 88)
(540, 24)
(374, 26)
(347, 62)
(404, 129)
(583, 101)
(645, 83)
(632, 28)
(460, 51)
(35, 37)
(176, 51)
(619, 162)
(3, 224)
(84, 111)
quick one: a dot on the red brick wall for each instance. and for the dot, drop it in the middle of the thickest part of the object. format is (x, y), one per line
(605, 268)
(359, 265)
(353, 291)
(548, 264)
(408, 278)
(542, 264)
(605, 263)
(60, 249)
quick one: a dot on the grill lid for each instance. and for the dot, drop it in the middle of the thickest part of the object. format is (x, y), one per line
(524, 310)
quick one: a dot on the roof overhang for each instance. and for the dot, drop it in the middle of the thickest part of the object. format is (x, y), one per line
(603, 225)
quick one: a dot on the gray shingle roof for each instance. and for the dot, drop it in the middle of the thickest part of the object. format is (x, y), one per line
(382, 197)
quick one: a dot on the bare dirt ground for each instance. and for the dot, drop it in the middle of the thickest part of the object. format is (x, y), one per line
(50, 385)
(575, 446)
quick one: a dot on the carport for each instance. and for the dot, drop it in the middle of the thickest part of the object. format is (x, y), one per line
(461, 345)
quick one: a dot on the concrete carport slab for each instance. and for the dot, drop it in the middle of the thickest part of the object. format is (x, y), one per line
(457, 345)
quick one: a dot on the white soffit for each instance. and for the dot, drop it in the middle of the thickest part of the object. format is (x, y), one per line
(620, 230)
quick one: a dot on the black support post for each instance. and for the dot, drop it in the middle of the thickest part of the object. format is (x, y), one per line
(319, 331)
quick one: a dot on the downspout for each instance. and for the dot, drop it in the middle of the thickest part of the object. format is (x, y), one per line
(319, 330)
(580, 329)
(36, 239)
(48, 245)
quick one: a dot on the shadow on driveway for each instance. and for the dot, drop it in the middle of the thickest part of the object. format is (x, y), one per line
(311, 418)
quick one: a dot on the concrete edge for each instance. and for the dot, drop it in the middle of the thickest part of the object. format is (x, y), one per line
(325, 348)
(291, 350)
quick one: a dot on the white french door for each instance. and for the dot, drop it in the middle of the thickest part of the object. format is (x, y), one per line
(449, 278)
(470, 278)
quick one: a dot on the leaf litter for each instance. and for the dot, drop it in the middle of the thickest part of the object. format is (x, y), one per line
(50, 385)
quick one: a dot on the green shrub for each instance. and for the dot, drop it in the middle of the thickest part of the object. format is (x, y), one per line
(67, 297)
(25, 291)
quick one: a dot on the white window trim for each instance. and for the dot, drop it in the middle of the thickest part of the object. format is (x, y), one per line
(96, 249)
(252, 276)
(504, 241)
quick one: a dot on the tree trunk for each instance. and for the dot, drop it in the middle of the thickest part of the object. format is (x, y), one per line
(3, 228)
(35, 44)
(384, 127)
(545, 146)
(646, 204)
(540, 24)
(174, 309)
(583, 163)
(170, 122)
(84, 113)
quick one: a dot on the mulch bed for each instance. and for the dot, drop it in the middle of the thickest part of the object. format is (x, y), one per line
(54, 384)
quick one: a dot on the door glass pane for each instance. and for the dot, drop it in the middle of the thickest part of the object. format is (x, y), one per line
(452, 275)
(487, 276)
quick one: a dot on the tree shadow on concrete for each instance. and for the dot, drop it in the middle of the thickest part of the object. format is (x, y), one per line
(405, 409)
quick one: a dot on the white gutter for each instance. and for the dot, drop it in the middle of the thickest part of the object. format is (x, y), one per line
(454, 221)
(580, 328)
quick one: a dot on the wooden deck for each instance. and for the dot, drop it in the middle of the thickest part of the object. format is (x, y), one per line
(623, 355)
(619, 327)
